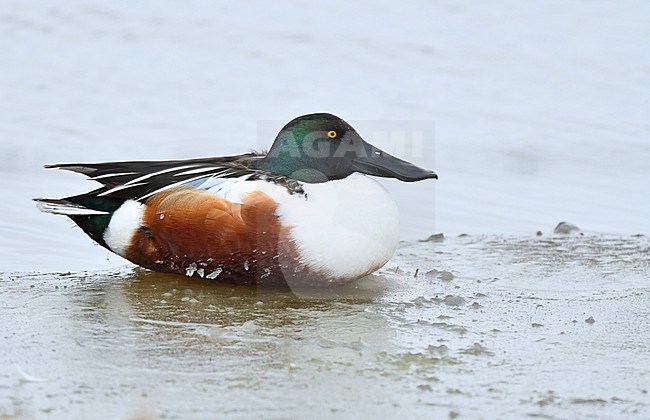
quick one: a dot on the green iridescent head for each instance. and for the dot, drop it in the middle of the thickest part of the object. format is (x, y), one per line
(322, 147)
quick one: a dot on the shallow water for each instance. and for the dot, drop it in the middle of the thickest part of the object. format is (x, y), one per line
(530, 113)
(476, 326)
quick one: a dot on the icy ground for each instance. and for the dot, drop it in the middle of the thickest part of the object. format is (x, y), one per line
(478, 326)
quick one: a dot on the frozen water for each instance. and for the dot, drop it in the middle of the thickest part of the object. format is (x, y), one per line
(541, 327)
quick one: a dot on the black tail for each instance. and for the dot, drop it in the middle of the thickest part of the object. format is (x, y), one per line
(91, 213)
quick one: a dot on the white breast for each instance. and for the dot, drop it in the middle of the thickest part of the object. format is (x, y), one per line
(343, 229)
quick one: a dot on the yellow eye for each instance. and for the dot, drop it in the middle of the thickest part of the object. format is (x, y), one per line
(331, 134)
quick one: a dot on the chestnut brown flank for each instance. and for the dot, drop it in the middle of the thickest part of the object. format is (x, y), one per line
(186, 227)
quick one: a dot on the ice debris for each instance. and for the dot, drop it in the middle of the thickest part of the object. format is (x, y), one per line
(214, 274)
(565, 228)
(190, 270)
(436, 237)
(24, 377)
(442, 275)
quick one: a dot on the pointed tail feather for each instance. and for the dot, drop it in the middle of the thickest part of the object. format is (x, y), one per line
(65, 207)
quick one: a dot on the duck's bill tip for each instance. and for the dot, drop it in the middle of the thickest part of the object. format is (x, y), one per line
(388, 166)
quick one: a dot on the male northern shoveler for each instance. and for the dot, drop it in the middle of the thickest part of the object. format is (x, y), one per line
(302, 214)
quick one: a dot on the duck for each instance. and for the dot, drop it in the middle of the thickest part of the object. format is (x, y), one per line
(306, 213)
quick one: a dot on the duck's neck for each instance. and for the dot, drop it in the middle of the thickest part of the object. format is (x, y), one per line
(290, 167)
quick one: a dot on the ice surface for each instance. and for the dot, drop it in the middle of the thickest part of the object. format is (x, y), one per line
(551, 327)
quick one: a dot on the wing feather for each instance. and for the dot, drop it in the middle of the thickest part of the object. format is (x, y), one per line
(140, 180)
